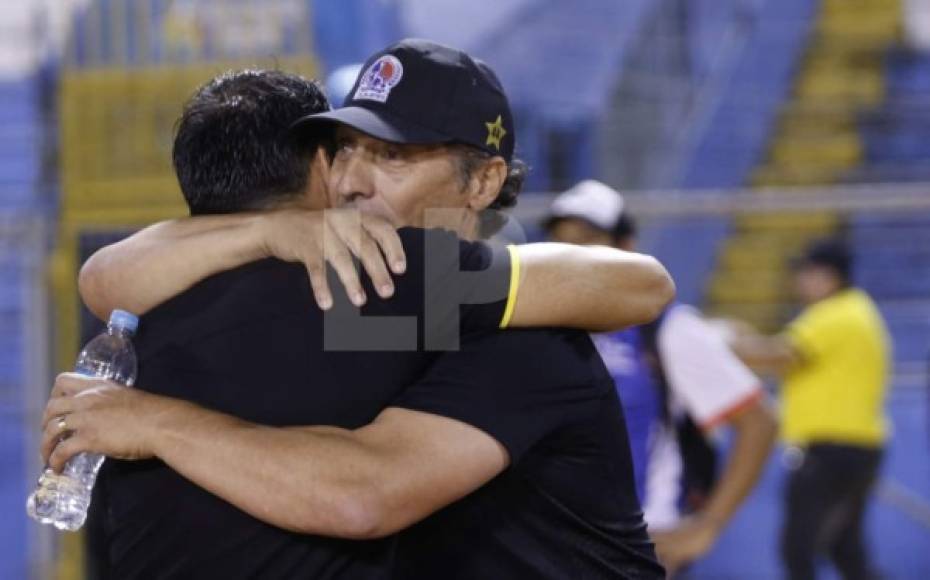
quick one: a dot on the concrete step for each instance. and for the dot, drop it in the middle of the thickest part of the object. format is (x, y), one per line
(768, 318)
(833, 8)
(794, 176)
(838, 150)
(860, 87)
(816, 119)
(748, 286)
(793, 225)
(752, 250)
(875, 26)
(849, 65)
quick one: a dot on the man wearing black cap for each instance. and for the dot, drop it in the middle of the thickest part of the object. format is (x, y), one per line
(531, 412)
(435, 102)
(835, 361)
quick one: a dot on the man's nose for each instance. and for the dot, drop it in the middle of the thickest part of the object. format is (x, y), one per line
(353, 180)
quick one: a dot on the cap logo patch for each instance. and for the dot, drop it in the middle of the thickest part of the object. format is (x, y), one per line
(496, 133)
(377, 82)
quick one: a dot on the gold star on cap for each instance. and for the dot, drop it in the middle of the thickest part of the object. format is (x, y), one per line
(496, 132)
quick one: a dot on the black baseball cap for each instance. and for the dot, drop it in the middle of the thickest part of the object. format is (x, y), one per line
(827, 253)
(420, 92)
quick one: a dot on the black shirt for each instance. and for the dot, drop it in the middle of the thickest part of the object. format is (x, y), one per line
(250, 342)
(567, 506)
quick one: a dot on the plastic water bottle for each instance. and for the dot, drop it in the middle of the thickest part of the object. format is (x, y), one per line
(62, 500)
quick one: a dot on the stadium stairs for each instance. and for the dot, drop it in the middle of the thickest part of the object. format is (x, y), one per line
(816, 141)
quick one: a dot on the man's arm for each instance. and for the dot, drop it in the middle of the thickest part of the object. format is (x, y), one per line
(366, 483)
(561, 285)
(766, 354)
(165, 259)
(591, 288)
(754, 429)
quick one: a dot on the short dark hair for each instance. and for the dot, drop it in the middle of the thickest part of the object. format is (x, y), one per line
(491, 221)
(830, 253)
(232, 148)
(625, 229)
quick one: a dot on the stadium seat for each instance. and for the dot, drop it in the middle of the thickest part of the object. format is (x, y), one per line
(20, 141)
(894, 133)
(893, 264)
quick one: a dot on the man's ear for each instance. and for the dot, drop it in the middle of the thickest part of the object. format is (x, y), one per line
(486, 183)
(318, 183)
(322, 163)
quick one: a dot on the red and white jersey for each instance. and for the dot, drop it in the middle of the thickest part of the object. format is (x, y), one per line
(707, 381)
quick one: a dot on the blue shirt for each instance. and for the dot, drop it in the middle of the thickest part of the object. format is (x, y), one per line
(624, 355)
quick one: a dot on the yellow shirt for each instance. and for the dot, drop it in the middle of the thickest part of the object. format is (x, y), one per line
(836, 393)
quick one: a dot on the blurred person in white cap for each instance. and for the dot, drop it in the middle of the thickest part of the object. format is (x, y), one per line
(678, 382)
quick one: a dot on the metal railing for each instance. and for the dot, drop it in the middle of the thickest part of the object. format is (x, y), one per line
(677, 203)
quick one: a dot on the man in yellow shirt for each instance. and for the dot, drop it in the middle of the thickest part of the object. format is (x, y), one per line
(835, 361)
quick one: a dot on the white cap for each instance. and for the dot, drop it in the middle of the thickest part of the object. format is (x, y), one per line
(592, 201)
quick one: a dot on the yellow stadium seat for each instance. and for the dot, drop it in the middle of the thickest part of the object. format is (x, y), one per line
(863, 87)
(782, 176)
(826, 151)
(765, 318)
(744, 251)
(791, 223)
(803, 119)
(747, 286)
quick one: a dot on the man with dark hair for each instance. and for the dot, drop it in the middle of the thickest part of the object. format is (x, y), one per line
(239, 116)
(835, 361)
(679, 383)
(413, 431)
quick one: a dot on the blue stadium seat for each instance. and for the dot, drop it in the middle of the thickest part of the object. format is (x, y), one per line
(894, 135)
(20, 141)
(907, 73)
(893, 263)
(19, 98)
(11, 347)
(905, 172)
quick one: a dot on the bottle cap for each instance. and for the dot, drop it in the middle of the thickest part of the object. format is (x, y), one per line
(124, 320)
